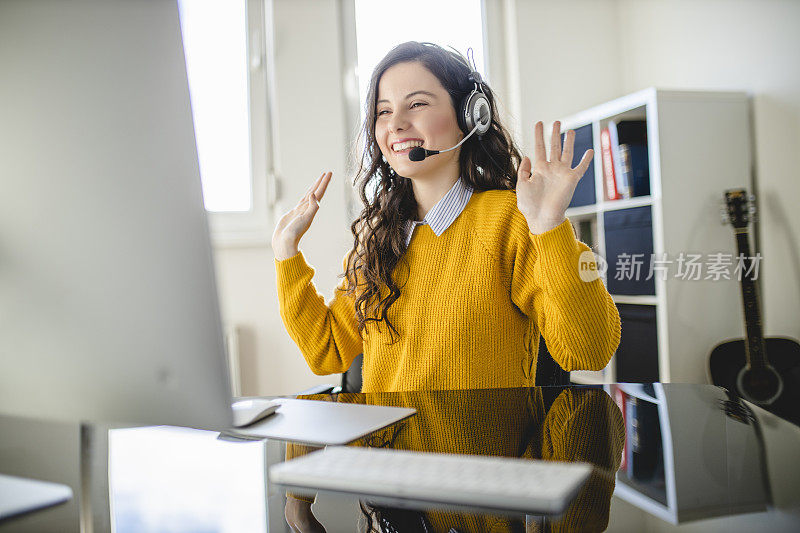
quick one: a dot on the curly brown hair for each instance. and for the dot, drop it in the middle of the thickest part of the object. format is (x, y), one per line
(379, 241)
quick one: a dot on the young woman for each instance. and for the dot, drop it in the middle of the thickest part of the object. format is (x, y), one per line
(461, 260)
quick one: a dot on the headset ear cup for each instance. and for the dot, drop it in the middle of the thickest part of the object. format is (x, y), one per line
(470, 112)
(482, 108)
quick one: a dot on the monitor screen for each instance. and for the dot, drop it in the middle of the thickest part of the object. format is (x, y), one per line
(108, 303)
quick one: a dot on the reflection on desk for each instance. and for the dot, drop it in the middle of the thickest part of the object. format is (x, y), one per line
(558, 424)
(690, 452)
(711, 456)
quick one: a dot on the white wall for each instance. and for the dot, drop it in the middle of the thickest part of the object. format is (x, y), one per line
(570, 55)
(574, 54)
(743, 45)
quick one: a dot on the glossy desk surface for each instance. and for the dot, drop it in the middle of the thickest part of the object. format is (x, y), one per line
(663, 454)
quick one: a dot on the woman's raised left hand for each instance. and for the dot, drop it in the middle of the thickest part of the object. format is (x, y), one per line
(544, 193)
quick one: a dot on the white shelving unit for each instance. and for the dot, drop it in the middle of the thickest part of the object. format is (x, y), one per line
(698, 145)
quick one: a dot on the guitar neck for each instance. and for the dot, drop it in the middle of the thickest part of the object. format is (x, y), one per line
(755, 352)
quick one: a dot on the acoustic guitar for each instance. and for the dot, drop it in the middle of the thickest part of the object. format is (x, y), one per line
(764, 371)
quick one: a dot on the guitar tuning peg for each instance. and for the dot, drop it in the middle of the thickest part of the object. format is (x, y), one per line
(723, 215)
(751, 198)
(752, 210)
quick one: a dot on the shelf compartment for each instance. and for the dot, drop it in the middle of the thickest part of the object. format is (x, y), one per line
(624, 156)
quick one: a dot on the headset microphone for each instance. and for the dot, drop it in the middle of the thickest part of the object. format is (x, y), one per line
(418, 153)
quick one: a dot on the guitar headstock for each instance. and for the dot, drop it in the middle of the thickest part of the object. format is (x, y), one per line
(739, 209)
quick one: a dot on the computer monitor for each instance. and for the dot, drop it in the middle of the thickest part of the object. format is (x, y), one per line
(108, 304)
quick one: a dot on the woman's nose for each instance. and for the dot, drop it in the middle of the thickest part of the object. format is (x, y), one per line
(398, 122)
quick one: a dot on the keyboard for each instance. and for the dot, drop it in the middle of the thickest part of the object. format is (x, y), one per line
(521, 485)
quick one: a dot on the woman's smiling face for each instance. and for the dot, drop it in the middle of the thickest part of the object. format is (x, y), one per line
(413, 109)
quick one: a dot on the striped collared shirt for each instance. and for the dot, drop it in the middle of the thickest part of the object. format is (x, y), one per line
(444, 212)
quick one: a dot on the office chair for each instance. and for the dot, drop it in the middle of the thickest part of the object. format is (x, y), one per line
(351, 379)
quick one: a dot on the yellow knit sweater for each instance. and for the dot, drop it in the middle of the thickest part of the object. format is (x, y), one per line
(474, 301)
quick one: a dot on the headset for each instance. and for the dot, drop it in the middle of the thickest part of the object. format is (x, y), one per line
(474, 114)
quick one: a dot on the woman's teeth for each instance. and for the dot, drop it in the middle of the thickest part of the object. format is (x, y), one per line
(399, 147)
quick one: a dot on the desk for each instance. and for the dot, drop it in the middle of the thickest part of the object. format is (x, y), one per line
(694, 459)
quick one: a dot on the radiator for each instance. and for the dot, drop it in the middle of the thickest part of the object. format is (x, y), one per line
(232, 352)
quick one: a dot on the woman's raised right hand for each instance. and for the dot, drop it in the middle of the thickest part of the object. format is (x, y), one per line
(293, 225)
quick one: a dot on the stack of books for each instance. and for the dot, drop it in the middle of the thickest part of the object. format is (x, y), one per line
(626, 166)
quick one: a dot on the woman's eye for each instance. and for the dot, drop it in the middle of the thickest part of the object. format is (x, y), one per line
(418, 103)
(382, 112)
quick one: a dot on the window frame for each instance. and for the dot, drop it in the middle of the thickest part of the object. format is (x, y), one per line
(352, 104)
(254, 227)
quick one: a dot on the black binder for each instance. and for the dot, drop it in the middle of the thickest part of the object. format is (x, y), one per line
(637, 354)
(584, 192)
(629, 231)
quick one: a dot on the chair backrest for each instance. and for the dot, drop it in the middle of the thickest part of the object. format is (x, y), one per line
(548, 372)
(351, 380)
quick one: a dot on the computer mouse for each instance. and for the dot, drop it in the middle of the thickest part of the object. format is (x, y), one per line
(247, 412)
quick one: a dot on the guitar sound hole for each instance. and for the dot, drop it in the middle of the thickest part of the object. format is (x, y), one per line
(760, 386)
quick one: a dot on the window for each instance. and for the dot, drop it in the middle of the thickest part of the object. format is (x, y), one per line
(225, 50)
(382, 24)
